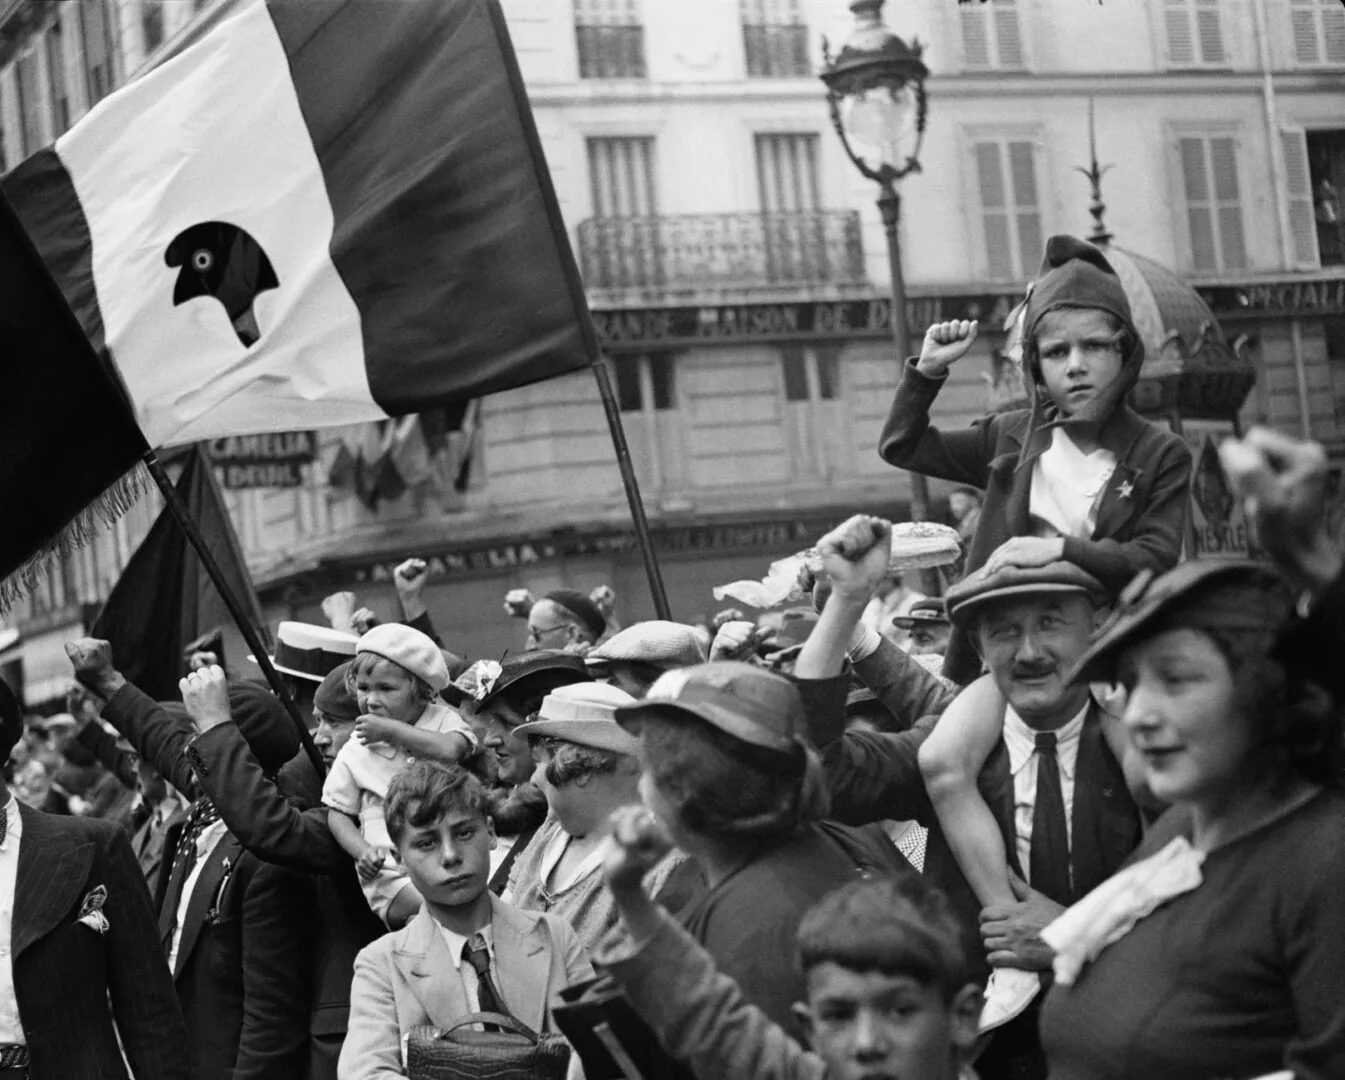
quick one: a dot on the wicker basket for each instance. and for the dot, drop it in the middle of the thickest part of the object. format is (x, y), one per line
(457, 1052)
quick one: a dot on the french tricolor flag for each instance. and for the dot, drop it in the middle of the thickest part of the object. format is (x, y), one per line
(324, 212)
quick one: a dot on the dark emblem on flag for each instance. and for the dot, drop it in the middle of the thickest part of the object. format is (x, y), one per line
(223, 261)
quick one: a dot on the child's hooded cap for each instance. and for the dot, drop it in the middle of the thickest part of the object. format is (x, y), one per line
(408, 647)
(1075, 274)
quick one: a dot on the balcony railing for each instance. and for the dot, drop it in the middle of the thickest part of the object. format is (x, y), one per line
(610, 50)
(776, 51)
(761, 250)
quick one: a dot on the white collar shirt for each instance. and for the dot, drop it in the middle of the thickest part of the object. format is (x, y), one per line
(11, 1029)
(1020, 741)
(1067, 487)
(211, 835)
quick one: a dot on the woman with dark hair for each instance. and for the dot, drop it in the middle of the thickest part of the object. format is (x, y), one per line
(587, 767)
(730, 775)
(1217, 952)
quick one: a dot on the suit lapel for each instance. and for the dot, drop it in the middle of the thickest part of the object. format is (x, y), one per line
(996, 783)
(219, 863)
(422, 956)
(1106, 826)
(52, 873)
(522, 962)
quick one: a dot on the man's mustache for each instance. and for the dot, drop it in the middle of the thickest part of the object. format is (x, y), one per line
(1032, 671)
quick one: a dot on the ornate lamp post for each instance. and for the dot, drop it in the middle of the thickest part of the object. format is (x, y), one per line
(876, 92)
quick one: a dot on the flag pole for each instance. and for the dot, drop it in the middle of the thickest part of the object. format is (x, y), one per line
(637, 512)
(577, 297)
(182, 515)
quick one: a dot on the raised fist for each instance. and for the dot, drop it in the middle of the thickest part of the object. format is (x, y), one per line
(205, 693)
(946, 343)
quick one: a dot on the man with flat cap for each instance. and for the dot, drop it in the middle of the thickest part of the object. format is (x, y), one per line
(1057, 791)
(82, 977)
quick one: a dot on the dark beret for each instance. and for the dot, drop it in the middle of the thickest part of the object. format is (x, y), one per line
(263, 723)
(581, 607)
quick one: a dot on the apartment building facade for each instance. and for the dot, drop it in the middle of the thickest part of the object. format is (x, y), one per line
(737, 271)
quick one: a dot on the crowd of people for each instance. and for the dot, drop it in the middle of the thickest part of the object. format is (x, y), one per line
(1076, 818)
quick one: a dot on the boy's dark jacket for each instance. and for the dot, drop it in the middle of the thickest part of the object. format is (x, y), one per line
(1141, 521)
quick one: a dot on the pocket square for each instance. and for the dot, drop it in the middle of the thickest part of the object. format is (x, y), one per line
(91, 911)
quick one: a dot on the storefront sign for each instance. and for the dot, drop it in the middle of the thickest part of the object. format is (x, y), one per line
(643, 329)
(707, 539)
(1278, 298)
(256, 461)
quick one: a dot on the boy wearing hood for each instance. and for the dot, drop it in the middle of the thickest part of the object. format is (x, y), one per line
(1078, 476)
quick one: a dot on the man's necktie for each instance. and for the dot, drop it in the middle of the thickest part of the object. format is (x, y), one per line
(488, 998)
(4, 822)
(1050, 838)
(202, 815)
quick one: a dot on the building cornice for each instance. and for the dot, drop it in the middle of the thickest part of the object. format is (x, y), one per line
(948, 87)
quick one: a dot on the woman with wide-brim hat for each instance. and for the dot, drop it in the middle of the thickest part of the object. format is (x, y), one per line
(1217, 951)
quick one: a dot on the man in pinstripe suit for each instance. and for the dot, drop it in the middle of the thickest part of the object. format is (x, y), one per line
(80, 960)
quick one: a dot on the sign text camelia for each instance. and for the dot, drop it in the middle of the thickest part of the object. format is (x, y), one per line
(270, 460)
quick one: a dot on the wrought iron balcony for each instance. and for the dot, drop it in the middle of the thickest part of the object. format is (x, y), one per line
(610, 50)
(776, 51)
(748, 250)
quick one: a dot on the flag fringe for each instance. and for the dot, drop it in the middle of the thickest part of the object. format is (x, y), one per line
(80, 531)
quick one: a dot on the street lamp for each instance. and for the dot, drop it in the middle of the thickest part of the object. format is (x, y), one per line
(876, 91)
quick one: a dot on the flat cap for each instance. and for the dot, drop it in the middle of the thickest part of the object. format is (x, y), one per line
(658, 642)
(968, 596)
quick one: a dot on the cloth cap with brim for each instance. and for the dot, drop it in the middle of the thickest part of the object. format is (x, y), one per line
(307, 651)
(1218, 594)
(754, 706)
(657, 642)
(969, 597)
(333, 700)
(584, 713)
(922, 613)
(409, 648)
(540, 670)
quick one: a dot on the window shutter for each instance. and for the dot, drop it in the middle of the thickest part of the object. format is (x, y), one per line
(1210, 32)
(1302, 223)
(1199, 213)
(1181, 40)
(975, 37)
(1008, 36)
(1023, 170)
(1333, 30)
(1224, 169)
(1303, 19)
(994, 210)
